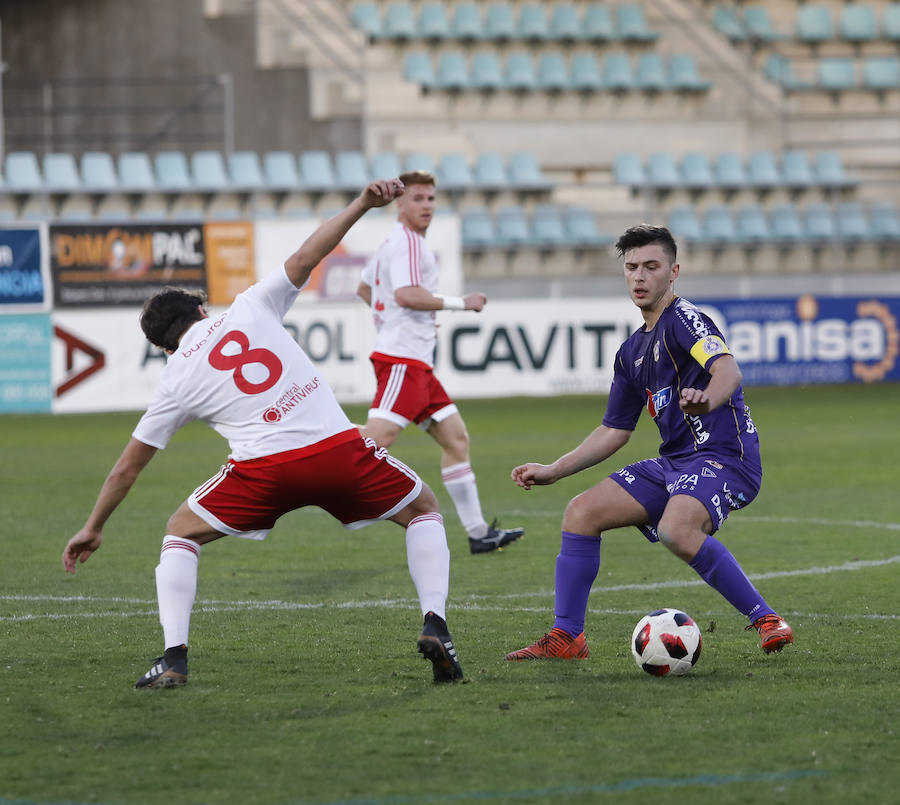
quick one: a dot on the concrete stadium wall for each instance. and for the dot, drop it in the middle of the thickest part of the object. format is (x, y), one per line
(112, 40)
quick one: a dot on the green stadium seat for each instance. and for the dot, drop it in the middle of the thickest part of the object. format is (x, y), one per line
(785, 224)
(881, 73)
(662, 172)
(631, 25)
(852, 224)
(796, 170)
(399, 22)
(317, 171)
(499, 22)
(685, 225)
(547, 227)
(751, 225)
(208, 170)
(512, 227)
(650, 73)
(582, 230)
(367, 18)
(628, 169)
(420, 161)
(533, 25)
(818, 223)
(696, 172)
(385, 165)
(433, 22)
(478, 230)
(525, 173)
(857, 23)
(617, 73)
(280, 170)
(245, 170)
(813, 24)
(351, 171)
(98, 172)
(762, 171)
(779, 68)
(683, 74)
(452, 71)
(486, 71)
(759, 26)
(466, 23)
(454, 173)
(730, 171)
(552, 73)
(585, 73)
(565, 26)
(519, 74)
(490, 171)
(829, 170)
(890, 22)
(172, 172)
(884, 221)
(135, 172)
(417, 67)
(598, 24)
(727, 21)
(837, 73)
(717, 226)
(61, 173)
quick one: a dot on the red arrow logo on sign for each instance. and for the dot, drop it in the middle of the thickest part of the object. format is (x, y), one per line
(73, 346)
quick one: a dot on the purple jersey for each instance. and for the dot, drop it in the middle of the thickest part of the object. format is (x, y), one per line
(652, 368)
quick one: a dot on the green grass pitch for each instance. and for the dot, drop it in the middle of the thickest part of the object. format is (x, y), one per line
(305, 683)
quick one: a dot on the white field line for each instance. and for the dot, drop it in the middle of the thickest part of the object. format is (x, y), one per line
(471, 602)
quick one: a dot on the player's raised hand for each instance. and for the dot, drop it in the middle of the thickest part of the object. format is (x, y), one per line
(79, 548)
(529, 475)
(694, 401)
(381, 192)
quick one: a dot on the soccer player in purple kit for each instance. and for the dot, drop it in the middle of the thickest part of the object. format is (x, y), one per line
(680, 369)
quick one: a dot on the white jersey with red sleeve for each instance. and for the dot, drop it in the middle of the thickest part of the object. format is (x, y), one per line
(401, 261)
(243, 374)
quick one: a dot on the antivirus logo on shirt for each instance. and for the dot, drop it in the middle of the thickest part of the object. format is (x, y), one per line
(657, 400)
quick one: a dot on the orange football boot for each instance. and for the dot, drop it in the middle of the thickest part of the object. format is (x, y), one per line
(556, 644)
(774, 632)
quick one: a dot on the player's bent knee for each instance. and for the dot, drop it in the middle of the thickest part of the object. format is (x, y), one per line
(581, 517)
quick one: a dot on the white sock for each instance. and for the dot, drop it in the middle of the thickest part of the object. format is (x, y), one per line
(428, 558)
(459, 481)
(176, 587)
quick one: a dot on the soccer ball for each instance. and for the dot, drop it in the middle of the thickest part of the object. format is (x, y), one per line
(666, 641)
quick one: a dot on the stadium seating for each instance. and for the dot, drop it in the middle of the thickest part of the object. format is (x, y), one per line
(785, 224)
(796, 170)
(836, 74)
(366, 17)
(684, 76)
(351, 171)
(454, 173)
(890, 22)
(512, 227)
(525, 173)
(280, 170)
(751, 225)
(487, 71)
(651, 74)
(478, 229)
(631, 25)
(490, 172)
(818, 223)
(208, 170)
(434, 24)
(858, 23)
(813, 24)
(420, 161)
(564, 25)
(98, 172)
(417, 67)
(317, 171)
(628, 169)
(61, 173)
(533, 25)
(172, 172)
(662, 172)
(499, 22)
(717, 226)
(881, 73)
(685, 225)
(384, 165)
(582, 231)
(852, 224)
(759, 26)
(547, 227)
(552, 73)
(585, 73)
(598, 24)
(884, 222)
(519, 74)
(452, 71)
(466, 22)
(23, 173)
(245, 170)
(399, 22)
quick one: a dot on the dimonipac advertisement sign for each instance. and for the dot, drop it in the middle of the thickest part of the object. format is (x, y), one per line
(811, 339)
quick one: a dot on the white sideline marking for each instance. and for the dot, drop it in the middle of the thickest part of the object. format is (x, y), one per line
(470, 603)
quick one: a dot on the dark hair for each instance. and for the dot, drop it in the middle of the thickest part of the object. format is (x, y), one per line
(417, 177)
(643, 235)
(167, 314)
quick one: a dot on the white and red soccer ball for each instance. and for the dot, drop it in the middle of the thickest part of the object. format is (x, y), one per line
(666, 642)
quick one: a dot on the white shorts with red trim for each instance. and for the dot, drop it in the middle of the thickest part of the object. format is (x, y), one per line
(349, 477)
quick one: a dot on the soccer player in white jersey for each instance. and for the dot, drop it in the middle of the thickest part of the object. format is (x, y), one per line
(400, 284)
(291, 446)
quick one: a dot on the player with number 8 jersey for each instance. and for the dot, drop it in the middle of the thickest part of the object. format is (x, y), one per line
(291, 445)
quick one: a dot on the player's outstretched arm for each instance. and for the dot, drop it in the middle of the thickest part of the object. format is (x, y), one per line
(600, 445)
(725, 377)
(321, 242)
(121, 478)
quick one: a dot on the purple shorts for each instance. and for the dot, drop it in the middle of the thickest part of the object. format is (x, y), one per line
(721, 484)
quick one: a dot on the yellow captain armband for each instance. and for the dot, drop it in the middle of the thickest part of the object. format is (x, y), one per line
(709, 347)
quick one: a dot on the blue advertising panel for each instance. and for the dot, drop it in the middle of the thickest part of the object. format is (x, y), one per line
(21, 282)
(811, 339)
(25, 343)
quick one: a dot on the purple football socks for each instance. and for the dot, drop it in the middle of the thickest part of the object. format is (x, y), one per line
(576, 569)
(721, 571)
